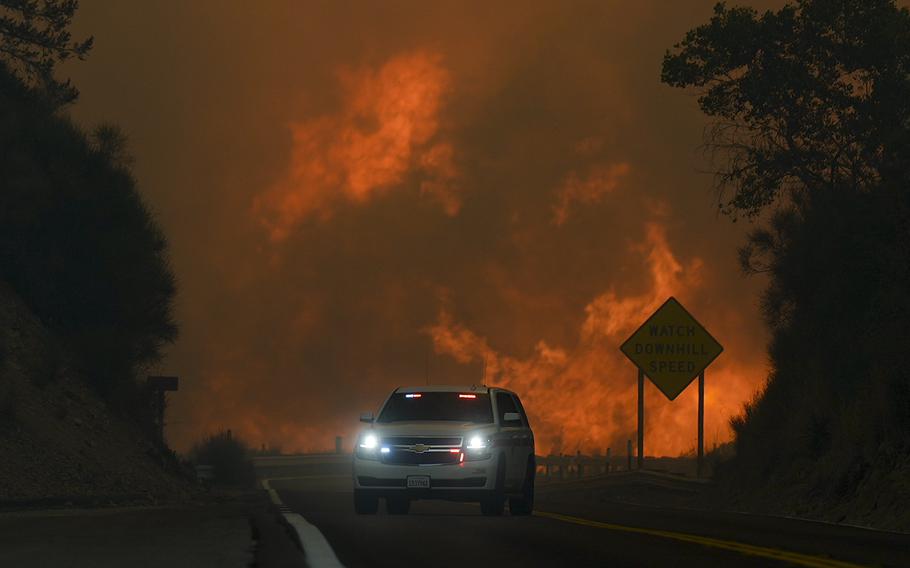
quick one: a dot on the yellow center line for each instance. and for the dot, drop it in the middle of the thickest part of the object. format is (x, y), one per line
(782, 555)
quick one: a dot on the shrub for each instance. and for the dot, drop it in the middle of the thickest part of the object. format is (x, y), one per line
(229, 458)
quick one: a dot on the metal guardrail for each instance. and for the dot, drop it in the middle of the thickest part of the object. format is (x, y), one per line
(569, 466)
(557, 466)
(552, 467)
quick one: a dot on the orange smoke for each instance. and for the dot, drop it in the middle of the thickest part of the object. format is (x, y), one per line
(588, 190)
(585, 397)
(256, 421)
(387, 127)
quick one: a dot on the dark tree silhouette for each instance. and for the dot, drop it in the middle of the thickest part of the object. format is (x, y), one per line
(811, 109)
(78, 243)
(34, 37)
(815, 95)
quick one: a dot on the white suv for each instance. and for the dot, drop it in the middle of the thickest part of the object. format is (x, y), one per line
(460, 443)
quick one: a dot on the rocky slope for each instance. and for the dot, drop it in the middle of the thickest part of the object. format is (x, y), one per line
(58, 442)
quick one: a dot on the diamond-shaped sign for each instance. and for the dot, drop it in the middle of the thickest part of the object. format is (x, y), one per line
(671, 348)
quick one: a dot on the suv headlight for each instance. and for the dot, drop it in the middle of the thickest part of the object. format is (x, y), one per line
(368, 446)
(477, 447)
(478, 442)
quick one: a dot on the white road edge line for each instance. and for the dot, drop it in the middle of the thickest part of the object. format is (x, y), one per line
(316, 548)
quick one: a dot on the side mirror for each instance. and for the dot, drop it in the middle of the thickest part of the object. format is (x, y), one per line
(511, 417)
(366, 417)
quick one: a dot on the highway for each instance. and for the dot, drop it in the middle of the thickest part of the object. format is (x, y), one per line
(569, 528)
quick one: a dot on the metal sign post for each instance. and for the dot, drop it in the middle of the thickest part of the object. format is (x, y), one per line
(641, 419)
(671, 348)
(701, 422)
(161, 385)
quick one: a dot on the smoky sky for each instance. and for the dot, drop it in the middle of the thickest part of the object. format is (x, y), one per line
(361, 195)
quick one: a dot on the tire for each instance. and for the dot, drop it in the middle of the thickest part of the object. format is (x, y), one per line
(397, 505)
(524, 505)
(493, 505)
(365, 504)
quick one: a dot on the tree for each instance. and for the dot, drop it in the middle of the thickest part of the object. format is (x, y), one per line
(815, 95)
(78, 243)
(810, 109)
(34, 37)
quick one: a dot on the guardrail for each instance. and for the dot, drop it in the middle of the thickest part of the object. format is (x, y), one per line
(551, 467)
(569, 466)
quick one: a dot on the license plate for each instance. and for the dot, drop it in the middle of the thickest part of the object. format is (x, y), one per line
(418, 482)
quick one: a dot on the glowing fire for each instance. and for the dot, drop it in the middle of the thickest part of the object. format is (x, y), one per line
(581, 397)
(600, 180)
(389, 134)
(585, 397)
(387, 127)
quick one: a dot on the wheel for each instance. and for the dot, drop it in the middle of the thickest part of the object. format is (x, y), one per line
(397, 505)
(493, 504)
(524, 505)
(365, 504)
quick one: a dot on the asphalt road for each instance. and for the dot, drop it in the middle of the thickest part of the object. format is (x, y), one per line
(192, 536)
(565, 531)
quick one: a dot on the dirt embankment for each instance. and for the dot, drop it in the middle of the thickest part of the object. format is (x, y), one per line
(879, 499)
(58, 442)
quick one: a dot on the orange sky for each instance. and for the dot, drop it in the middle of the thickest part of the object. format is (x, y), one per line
(361, 194)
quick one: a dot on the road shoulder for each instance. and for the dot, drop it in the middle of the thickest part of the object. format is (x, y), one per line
(241, 530)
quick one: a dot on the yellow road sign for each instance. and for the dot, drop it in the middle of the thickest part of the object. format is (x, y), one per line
(671, 348)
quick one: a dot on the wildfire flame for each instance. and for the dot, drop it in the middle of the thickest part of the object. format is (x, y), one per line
(600, 180)
(389, 134)
(579, 398)
(584, 398)
(388, 126)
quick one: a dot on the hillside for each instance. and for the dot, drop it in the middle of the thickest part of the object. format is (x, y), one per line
(59, 443)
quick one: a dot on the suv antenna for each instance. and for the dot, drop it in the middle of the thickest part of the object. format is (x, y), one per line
(428, 365)
(483, 373)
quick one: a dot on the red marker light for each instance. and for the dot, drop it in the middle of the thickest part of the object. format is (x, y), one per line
(413, 395)
(467, 396)
(454, 451)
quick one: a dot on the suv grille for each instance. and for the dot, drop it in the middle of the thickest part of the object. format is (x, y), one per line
(421, 450)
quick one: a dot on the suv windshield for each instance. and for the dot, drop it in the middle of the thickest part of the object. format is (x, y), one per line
(460, 407)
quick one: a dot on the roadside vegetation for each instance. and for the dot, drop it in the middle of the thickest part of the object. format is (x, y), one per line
(77, 242)
(810, 136)
(229, 458)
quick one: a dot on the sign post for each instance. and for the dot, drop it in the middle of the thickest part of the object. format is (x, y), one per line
(701, 420)
(641, 419)
(160, 385)
(671, 348)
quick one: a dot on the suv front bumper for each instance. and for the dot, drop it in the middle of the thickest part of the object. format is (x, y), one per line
(469, 480)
